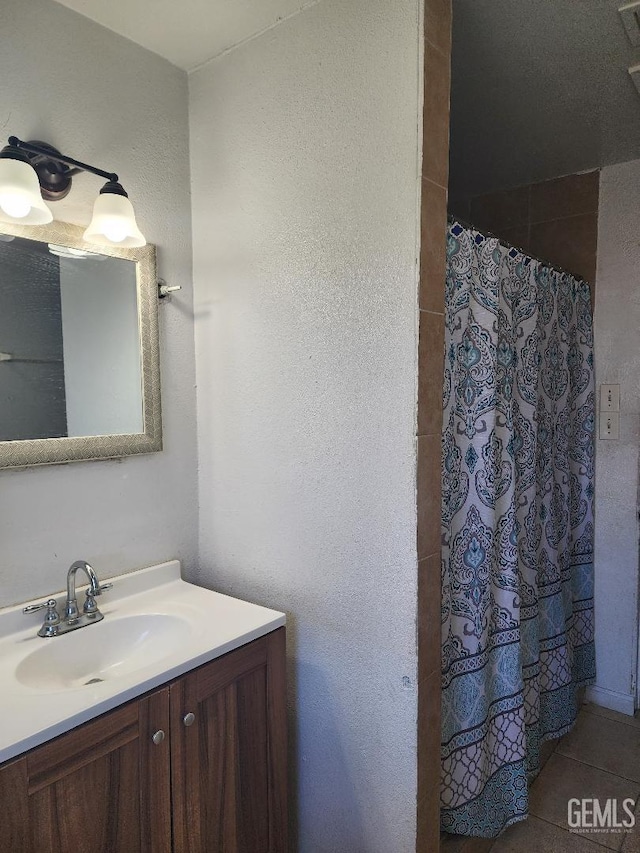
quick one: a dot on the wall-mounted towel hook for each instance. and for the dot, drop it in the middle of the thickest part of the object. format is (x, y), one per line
(165, 290)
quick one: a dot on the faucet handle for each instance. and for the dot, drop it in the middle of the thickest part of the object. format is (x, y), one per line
(51, 604)
(90, 607)
(51, 620)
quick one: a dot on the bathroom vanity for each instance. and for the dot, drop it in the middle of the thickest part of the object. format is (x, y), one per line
(152, 745)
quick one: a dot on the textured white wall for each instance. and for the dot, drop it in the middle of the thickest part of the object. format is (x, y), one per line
(304, 146)
(103, 99)
(617, 360)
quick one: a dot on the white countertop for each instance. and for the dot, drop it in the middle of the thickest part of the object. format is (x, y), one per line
(216, 624)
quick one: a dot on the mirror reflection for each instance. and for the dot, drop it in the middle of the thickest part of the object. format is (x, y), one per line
(69, 343)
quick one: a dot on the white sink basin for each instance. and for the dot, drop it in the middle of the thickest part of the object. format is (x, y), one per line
(156, 627)
(110, 649)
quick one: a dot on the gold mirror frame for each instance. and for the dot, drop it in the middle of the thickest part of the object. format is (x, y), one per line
(47, 451)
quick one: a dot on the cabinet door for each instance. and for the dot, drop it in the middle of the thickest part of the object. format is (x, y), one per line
(102, 788)
(228, 766)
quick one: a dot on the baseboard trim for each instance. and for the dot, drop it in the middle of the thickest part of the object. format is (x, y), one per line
(622, 702)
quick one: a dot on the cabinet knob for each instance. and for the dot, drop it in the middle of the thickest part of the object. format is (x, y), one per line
(189, 719)
(158, 737)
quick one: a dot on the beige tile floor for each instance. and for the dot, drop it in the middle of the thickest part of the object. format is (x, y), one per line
(599, 759)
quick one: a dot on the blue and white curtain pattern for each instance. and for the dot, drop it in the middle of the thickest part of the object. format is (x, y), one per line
(518, 469)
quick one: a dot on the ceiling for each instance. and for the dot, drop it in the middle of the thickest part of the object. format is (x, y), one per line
(187, 32)
(540, 89)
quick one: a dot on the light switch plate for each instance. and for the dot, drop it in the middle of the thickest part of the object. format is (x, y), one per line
(609, 424)
(609, 398)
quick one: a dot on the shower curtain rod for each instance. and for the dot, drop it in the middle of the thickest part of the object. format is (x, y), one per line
(507, 245)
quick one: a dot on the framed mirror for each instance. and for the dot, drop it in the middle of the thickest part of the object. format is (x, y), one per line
(79, 362)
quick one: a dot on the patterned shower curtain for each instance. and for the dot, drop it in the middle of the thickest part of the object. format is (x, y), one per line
(518, 469)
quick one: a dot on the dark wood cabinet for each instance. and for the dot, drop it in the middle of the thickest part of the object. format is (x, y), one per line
(228, 767)
(102, 787)
(215, 783)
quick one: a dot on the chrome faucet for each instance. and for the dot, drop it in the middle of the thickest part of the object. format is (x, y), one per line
(53, 625)
(90, 606)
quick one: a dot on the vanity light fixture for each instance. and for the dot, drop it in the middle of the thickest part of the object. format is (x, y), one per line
(32, 172)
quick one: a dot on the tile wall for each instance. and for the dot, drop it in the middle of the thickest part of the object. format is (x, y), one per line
(554, 220)
(435, 170)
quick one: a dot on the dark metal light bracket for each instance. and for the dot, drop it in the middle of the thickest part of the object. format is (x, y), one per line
(54, 170)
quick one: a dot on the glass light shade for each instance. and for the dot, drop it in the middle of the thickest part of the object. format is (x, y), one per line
(20, 199)
(114, 223)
